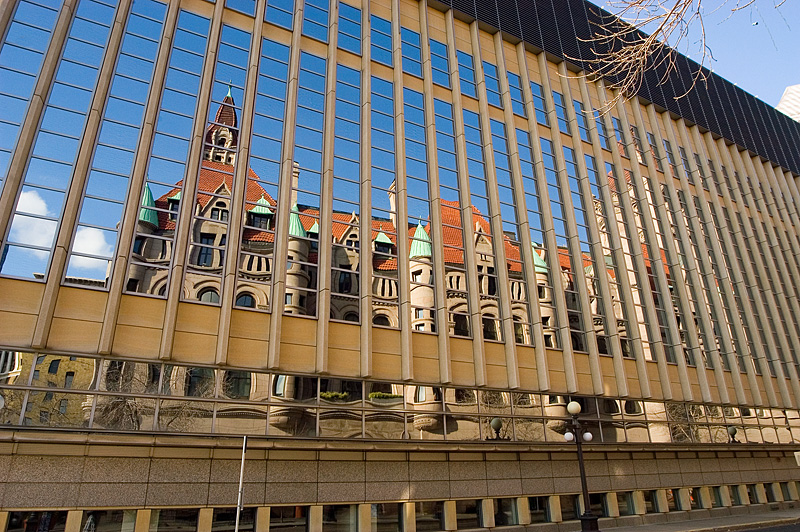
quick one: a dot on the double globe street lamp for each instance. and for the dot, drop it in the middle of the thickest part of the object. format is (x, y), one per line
(579, 435)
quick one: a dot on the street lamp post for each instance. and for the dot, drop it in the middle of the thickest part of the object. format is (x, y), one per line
(579, 435)
(497, 425)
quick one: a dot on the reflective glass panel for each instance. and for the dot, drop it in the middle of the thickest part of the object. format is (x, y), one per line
(38, 208)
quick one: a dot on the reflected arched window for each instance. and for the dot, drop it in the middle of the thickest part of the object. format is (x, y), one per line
(153, 377)
(279, 386)
(351, 316)
(577, 342)
(610, 406)
(199, 382)
(602, 346)
(489, 329)
(246, 300)
(209, 295)
(519, 332)
(633, 408)
(460, 325)
(345, 282)
(381, 320)
(236, 384)
(556, 400)
(219, 212)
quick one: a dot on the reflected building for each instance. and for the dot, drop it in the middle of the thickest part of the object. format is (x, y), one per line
(388, 242)
(157, 222)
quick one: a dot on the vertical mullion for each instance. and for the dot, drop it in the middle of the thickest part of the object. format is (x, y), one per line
(240, 184)
(437, 261)
(324, 260)
(526, 242)
(137, 182)
(645, 293)
(478, 358)
(616, 250)
(285, 195)
(700, 267)
(404, 286)
(724, 245)
(365, 196)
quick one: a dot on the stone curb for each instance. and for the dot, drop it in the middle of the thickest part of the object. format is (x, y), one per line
(755, 525)
(748, 526)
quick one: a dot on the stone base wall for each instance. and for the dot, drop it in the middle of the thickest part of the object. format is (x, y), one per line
(137, 472)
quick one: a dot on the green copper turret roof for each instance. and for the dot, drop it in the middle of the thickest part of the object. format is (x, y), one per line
(421, 244)
(261, 206)
(383, 239)
(314, 228)
(539, 265)
(146, 213)
(176, 196)
(295, 225)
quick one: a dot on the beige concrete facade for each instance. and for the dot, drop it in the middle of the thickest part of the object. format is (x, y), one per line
(358, 242)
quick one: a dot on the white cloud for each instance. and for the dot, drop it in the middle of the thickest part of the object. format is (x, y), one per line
(30, 201)
(91, 241)
(32, 231)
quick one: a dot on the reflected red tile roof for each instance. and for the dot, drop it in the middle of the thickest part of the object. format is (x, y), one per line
(452, 236)
(214, 176)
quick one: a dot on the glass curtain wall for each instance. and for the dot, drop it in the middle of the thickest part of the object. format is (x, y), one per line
(423, 300)
(485, 240)
(630, 237)
(95, 239)
(346, 261)
(458, 304)
(515, 262)
(153, 252)
(385, 290)
(23, 49)
(542, 264)
(256, 255)
(301, 268)
(215, 184)
(33, 228)
(568, 266)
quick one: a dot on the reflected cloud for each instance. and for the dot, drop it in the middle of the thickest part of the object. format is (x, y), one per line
(90, 241)
(31, 202)
(33, 231)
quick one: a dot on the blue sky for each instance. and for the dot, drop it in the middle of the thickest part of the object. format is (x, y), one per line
(762, 59)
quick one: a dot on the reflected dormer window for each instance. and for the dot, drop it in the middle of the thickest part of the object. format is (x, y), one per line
(219, 212)
(260, 221)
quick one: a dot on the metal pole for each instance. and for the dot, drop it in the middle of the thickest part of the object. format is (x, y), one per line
(241, 477)
(588, 519)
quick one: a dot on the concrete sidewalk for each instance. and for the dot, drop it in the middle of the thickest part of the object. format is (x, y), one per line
(721, 524)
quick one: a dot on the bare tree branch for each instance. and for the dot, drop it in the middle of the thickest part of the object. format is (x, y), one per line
(624, 53)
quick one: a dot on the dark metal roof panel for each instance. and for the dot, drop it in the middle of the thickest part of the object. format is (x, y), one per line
(562, 27)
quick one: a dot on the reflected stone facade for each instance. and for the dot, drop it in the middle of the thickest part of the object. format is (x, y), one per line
(365, 235)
